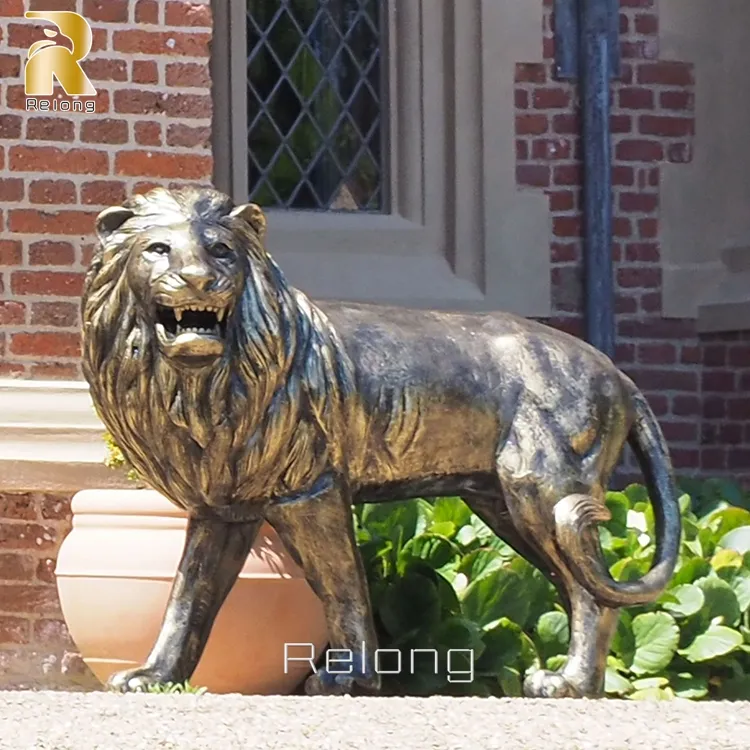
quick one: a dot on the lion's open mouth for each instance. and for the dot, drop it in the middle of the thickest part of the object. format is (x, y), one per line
(192, 330)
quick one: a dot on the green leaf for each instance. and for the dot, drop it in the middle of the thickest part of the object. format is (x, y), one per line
(650, 682)
(721, 522)
(737, 539)
(481, 562)
(636, 493)
(623, 643)
(690, 571)
(629, 569)
(718, 640)
(720, 601)
(395, 521)
(616, 684)
(433, 549)
(466, 535)
(445, 529)
(502, 646)
(495, 595)
(555, 663)
(689, 598)
(618, 505)
(451, 510)
(653, 694)
(687, 685)
(735, 688)
(509, 680)
(459, 633)
(553, 634)
(726, 558)
(656, 638)
(409, 603)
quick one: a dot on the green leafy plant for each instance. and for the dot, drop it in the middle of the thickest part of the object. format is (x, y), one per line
(116, 460)
(440, 579)
(175, 687)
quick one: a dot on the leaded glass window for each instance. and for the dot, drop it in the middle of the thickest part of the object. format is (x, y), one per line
(316, 130)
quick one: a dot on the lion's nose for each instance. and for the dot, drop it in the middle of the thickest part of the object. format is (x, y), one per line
(197, 277)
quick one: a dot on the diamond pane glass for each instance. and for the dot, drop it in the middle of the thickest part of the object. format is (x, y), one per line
(315, 104)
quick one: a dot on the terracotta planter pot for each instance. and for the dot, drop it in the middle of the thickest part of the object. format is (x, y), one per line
(114, 574)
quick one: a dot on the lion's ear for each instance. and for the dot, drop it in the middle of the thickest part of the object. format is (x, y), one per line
(111, 219)
(253, 215)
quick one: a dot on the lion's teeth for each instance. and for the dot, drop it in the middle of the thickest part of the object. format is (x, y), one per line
(178, 313)
(220, 315)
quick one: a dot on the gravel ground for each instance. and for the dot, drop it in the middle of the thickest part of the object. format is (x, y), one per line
(94, 721)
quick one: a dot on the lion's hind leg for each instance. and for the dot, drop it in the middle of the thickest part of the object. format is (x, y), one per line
(542, 482)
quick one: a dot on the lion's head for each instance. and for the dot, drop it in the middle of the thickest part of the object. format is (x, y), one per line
(201, 359)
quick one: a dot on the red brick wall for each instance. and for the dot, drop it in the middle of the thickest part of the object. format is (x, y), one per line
(149, 65)
(699, 388)
(35, 649)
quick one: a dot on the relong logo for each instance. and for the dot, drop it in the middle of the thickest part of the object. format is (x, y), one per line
(51, 58)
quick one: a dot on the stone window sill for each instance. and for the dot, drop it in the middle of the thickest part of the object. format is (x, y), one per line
(726, 307)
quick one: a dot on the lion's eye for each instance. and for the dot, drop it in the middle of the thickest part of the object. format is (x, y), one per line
(158, 248)
(220, 250)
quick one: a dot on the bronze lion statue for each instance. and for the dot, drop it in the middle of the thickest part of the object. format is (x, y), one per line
(241, 399)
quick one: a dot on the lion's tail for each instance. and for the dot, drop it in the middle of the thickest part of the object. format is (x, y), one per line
(576, 517)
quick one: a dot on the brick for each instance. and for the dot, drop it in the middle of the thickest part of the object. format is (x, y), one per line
(620, 123)
(10, 254)
(45, 345)
(551, 98)
(193, 44)
(665, 380)
(15, 567)
(566, 226)
(646, 23)
(651, 302)
(533, 175)
(739, 356)
(23, 35)
(14, 630)
(55, 507)
(567, 124)
(51, 253)
(54, 314)
(718, 382)
(18, 506)
(522, 149)
(562, 200)
(148, 133)
(738, 458)
(179, 13)
(185, 136)
(625, 305)
(666, 126)
(193, 106)
(656, 328)
(635, 98)
(521, 98)
(659, 403)
(51, 159)
(530, 73)
(103, 193)
(680, 432)
(713, 459)
(41, 600)
(12, 313)
(738, 408)
(11, 189)
(48, 631)
(622, 176)
(147, 11)
(55, 371)
(666, 73)
(52, 5)
(137, 102)
(104, 131)
(146, 71)
(10, 126)
(154, 164)
(567, 174)
(644, 203)
(714, 407)
(648, 228)
(45, 570)
(107, 11)
(13, 8)
(56, 283)
(52, 191)
(677, 100)
(103, 69)
(730, 434)
(622, 228)
(642, 252)
(50, 129)
(646, 277)
(10, 66)
(26, 536)
(686, 406)
(685, 458)
(657, 354)
(531, 124)
(714, 355)
(638, 150)
(195, 75)
(30, 221)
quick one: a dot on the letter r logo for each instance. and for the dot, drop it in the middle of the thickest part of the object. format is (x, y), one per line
(49, 58)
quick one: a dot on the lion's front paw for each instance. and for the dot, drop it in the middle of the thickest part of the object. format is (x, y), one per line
(325, 683)
(546, 684)
(136, 680)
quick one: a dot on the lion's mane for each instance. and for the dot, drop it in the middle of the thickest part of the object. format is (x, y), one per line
(260, 419)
